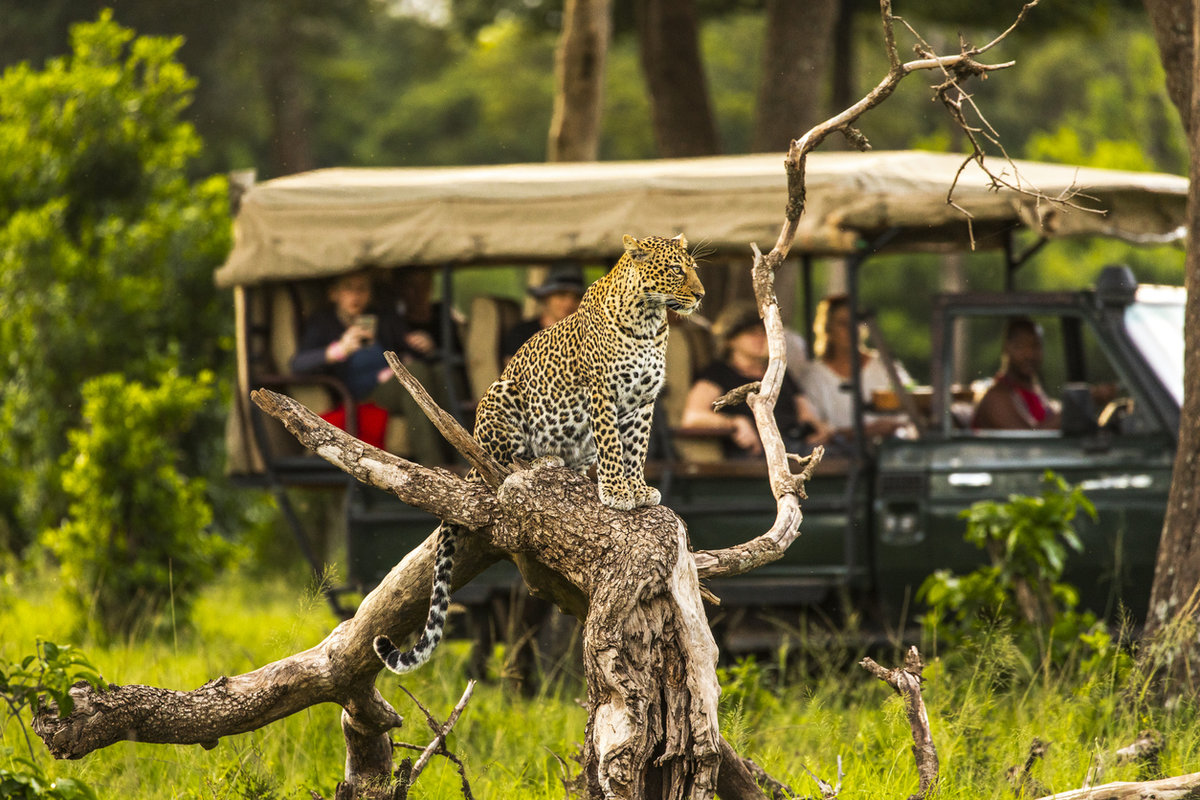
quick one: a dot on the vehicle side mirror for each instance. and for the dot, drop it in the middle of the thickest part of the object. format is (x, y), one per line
(1078, 410)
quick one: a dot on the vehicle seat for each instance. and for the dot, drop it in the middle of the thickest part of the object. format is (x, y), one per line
(489, 319)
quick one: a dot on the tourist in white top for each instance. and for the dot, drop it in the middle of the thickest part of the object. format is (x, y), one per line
(822, 377)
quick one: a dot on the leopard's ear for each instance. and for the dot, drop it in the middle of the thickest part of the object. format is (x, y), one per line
(634, 248)
(679, 238)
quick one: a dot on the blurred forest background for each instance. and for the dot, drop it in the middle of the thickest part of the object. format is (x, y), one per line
(289, 85)
(117, 127)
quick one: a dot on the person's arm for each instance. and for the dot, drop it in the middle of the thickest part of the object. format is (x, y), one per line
(805, 412)
(698, 413)
(998, 410)
(323, 343)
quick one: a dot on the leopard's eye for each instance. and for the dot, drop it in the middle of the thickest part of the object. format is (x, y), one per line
(677, 269)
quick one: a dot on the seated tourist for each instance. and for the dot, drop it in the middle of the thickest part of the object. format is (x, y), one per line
(742, 358)
(1016, 399)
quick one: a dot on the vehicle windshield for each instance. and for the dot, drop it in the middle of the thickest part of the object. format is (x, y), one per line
(1155, 323)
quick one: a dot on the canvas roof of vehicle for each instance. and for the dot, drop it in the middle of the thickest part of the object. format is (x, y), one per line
(329, 221)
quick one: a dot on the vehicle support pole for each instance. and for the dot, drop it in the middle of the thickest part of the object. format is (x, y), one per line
(862, 456)
(806, 264)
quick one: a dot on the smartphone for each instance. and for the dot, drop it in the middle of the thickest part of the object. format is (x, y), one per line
(368, 323)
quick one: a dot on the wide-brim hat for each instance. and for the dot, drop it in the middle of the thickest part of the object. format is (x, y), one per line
(735, 318)
(563, 277)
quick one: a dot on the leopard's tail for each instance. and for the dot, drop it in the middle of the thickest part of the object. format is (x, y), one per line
(406, 661)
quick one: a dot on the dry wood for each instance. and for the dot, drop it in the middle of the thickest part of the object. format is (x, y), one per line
(1182, 787)
(906, 681)
(440, 731)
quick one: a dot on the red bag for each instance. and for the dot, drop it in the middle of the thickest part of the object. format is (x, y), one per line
(372, 422)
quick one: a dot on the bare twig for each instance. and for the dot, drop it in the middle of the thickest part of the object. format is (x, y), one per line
(828, 791)
(440, 731)
(735, 397)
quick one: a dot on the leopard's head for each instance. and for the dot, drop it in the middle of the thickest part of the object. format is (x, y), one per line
(667, 270)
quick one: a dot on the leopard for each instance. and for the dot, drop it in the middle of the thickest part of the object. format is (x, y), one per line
(582, 390)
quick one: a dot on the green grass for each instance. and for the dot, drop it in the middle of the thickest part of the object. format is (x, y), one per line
(986, 704)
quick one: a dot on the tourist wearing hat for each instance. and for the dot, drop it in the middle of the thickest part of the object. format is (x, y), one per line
(742, 358)
(557, 296)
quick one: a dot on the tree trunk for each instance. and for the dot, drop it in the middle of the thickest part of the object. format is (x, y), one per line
(1173, 601)
(799, 40)
(283, 83)
(579, 74)
(668, 34)
(1173, 24)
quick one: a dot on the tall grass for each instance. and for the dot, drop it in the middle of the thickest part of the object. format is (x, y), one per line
(986, 702)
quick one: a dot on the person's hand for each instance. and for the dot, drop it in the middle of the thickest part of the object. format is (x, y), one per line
(351, 342)
(420, 342)
(821, 434)
(745, 435)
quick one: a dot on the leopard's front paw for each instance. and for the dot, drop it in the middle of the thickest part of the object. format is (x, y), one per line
(627, 495)
(647, 496)
(617, 495)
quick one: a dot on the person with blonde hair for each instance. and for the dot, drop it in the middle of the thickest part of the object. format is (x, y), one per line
(742, 358)
(826, 377)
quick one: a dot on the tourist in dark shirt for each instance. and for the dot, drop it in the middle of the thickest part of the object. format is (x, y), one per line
(742, 339)
(1016, 399)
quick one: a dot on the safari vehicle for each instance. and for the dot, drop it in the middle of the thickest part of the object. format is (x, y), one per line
(880, 515)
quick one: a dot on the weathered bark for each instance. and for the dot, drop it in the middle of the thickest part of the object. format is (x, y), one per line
(1183, 787)
(650, 668)
(796, 54)
(1174, 616)
(341, 669)
(906, 681)
(668, 34)
(1173, 24)
(291, 142)
(579, 74)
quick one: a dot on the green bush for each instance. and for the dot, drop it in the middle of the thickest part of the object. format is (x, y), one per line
(106, 249)
(1027, 540)
(137, 536)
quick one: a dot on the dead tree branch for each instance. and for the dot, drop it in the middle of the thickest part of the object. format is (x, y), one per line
(1182, 787)
(906, 681)
(649, 654)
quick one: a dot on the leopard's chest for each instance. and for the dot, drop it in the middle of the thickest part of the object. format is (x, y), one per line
(633, 377)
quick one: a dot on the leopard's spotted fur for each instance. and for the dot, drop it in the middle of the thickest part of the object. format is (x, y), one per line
(584, 390)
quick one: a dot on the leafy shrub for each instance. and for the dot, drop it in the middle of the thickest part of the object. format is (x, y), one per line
(1027, 540)
(48, 673)
(106, 248)
(137, 533)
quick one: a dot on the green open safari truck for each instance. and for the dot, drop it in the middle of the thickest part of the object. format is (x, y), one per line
(882, 514)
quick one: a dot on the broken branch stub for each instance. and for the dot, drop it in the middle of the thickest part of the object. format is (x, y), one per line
(906, 681)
